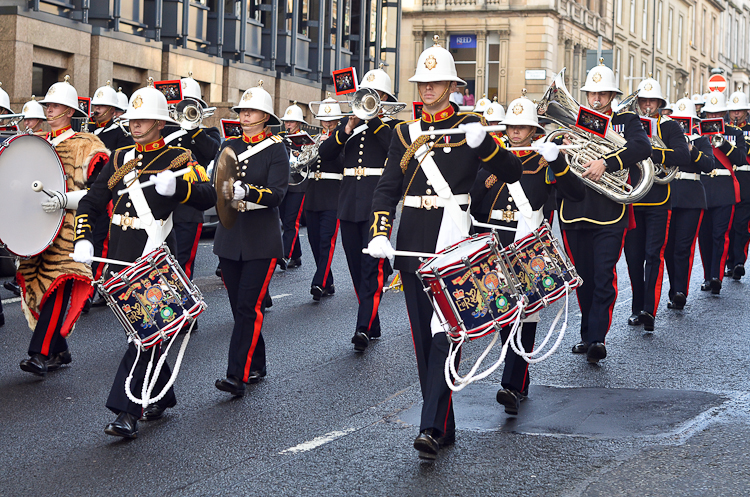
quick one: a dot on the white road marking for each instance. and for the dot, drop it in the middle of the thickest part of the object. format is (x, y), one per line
(281, 295)
(316, 442)
(11, 300)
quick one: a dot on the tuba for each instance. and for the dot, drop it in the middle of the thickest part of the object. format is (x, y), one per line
(301, 162)
(559, 106)
(662, 174)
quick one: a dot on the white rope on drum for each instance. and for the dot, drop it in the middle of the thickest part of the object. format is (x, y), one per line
(517, 345)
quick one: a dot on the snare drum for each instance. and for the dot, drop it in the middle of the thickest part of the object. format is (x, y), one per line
(471, 286)
(153, 299)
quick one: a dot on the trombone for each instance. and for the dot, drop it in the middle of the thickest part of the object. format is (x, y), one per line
(365, 104)
(189, 114)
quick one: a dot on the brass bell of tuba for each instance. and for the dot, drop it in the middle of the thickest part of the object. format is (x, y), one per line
(189, 114)
(559, 106)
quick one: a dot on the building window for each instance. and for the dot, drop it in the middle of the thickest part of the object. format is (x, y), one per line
(631, 70)
(632, 16)
(492, 83)
(619, 12)
(693, 41)
(618, 55)
(669, 31)
(679, 39)
(734, 41)
(703, 32)
(466, 60)
(659, 11)
(657, 77)
(727, 48)
(713, 37)
(42, 77)
(669, 89)
(692, 79)
(644, 21)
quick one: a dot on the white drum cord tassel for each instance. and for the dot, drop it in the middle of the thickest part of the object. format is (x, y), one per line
(529, 357)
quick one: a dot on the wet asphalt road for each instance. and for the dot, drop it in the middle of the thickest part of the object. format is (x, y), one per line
(665, 414)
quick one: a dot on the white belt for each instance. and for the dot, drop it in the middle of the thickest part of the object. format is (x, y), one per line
(244, 206)
(432, 201)
(318, 175)
(135, 223)
(742, 168)
(363, 171)
(718, 172)
(501, 215)
(690, 176)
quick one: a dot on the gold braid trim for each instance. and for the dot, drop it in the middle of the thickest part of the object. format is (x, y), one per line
(180, 160)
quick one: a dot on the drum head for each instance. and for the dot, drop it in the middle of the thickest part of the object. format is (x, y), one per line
(25, 228)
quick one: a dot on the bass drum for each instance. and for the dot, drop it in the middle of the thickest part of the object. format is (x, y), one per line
(25, 229)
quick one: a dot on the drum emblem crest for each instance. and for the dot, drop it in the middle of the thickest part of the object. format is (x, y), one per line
(459, 294)
(154, 294)
(537, 264)
(491, 281)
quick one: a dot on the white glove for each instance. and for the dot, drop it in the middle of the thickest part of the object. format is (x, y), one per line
(165, 183)
(380, 247)
(62, 200)
(475, 134)
(550, 151)
(239, 190)
(83, 251)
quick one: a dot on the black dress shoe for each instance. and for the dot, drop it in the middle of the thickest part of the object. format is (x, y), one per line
(57, 360)
(678, 301)
(449, 438)
(581, 347)
(727, 271)
(293, 263)
(125, 426)
(597, 351)
(715, 285)
(233, 385)
(13, 287)
(268, 301)
(155, 411)
(316, 293)
(218, 271)
(329, 291)
(510, 399)
(647, 319)
(427, 446)
(256, 375)
(282, 263)
(634, 319)
(98, 300)
(36, 364)
(360, 341)
(86, 306)
(738, 272)
(2, 319)
(706, 286)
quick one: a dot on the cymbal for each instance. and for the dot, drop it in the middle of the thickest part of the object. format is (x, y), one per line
(226, 168)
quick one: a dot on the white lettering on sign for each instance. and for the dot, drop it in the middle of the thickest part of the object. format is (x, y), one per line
(464, 39)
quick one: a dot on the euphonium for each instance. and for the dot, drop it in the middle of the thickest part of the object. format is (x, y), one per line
(300, 163)
(559, 106)
(662, 175)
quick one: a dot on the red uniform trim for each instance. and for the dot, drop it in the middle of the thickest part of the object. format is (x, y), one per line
(726, 247)
(296, 227)
(189, 265)
(52, 325)
(258, 319)
(330, 253)
(614, 283)
(657, 289)
(378, 293)
(692, 251)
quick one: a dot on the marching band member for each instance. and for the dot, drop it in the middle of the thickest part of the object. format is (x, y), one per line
(248, 251)
(645, 244)
(594, 229)
(688, 204)
(130, 237)
(321, 203)
(493, 114)
(33, 116)
(203, 142)
(493, 202)
(423, 170)
(739, 236)
(55, 288)
(103, 107)
(122, 100)
(482, 104)
(292, 207)
(365, 149)
(4, 102)
(699, 102)
(723, 191)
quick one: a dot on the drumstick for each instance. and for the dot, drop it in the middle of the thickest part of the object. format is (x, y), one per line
(492, 226)
(404, 253)
(150, 182)
(109, 261)
(459, 131)
(37, 186)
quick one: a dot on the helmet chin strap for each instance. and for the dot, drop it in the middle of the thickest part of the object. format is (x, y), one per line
(59, 115)
(520, 143)
(441, 97)
(147, 131)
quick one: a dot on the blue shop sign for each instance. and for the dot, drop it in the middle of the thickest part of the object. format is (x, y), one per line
(463, 41)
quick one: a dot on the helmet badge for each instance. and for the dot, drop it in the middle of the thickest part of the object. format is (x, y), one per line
(371, 77)
(248, 95)
(648, 87)
(682, 106)
(517, 109)
(596, 77)
(327, 109)
(430, 63)
(736, 100)
(714, 100)
(137, 102)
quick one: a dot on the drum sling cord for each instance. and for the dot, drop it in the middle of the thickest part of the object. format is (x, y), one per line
(513, 340)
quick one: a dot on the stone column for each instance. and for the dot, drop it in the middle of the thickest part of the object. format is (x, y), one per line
(481, 67)
(576, 72)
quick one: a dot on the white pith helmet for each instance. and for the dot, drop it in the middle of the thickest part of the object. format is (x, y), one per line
(378, 79)
(122, 100)
(192, 89)
(650, 88)
(738, 101)
(716, 102)
(5, 102)
(148, 103)
(294, 113)
(698, 99)
(482, 104)
(33, 110)
(329, 110)
(685, 107)
(522, 112)
(259, 99)
(494, 112)
(64, 93)
(105, 95)
(436, 64)
(601, 78)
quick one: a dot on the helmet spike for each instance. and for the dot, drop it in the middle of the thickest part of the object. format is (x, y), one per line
(523, 92)
(150, 82)
(66, 79)
(260, 83)
(436, 40)
(190, 74)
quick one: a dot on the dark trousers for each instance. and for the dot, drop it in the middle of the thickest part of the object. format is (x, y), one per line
(713, 240)
(322, 230)
(595, 252)
(118, 400)
(739, 236)
(46, 338)
(368, 275)
(516, 369)
(290, 211)
(678, 257)
(247, 285)
(644, 253)
(437, 407)
(188, 235)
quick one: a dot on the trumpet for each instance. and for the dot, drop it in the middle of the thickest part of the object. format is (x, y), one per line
(14, 119)
(365, 104)
(189, 114)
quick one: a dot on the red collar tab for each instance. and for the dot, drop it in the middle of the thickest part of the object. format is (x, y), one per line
(257, 138)
(151, 146)
(742, 124)
(55, 134)
(522, 153)
(439, 116)
(103, 124)
(608, 113)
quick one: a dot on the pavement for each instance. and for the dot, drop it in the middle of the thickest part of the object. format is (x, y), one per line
(665, 414)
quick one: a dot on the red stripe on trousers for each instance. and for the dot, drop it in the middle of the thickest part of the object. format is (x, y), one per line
(726, 247)
(378, 293)
(296, 227)
(52, 325)
(570, 256)
(330, 253)
(258, 319)
(657, 290)
(614, 282)
(189, 264)
(692, 252)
